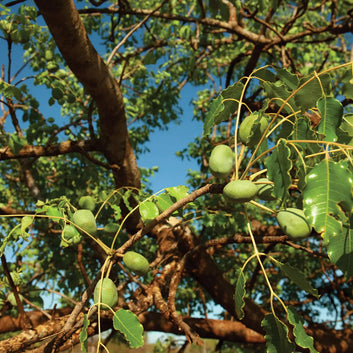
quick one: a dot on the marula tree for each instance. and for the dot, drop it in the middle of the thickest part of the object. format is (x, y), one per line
(262, 229)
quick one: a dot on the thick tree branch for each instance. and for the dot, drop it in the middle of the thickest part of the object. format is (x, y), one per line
(70, 35)
(30, 151)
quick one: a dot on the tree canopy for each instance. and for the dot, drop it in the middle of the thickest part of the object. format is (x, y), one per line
(263, 229)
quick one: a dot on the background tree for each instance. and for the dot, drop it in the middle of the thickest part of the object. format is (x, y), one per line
(202, 250)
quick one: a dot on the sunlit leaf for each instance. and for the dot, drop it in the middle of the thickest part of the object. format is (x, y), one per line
(179, 192)
(128, 324)
(26, 221)
(327, 196)
(148, 211)
(302, 339)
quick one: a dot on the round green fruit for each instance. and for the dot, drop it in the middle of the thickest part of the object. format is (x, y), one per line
(70, 234)
(294, 223)
(240, 190)
(11, 298)
(221, 161)
(87, 203)
(264, 189)
(251, 129)
(136, 263)
(109, 294)
(85, 219)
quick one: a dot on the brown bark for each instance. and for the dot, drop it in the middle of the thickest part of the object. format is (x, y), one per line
(29, 151)
(70, 35)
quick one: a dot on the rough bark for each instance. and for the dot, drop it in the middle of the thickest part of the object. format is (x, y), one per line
(70, 35)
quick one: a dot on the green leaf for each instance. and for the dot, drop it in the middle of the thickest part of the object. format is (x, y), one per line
(54, 214)
(128, 324)
(84, 335)
(289, 79)
(331, 111)
(278, 93)
(265, 74)
(223, 106)
(346, 79)
(179, 192)
(239, 295)
(297, 277)
(302, 339)
(148, 211)
(10, 91)
(309, 94)
(327, 196)
(216, 107)
(340, 249)
(16, 143)
(279, 166)
(26, 221)
(276, 335)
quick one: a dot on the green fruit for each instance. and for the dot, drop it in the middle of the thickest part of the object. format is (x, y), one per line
(136, 263)
(52, 66)
(264, 190)
(148, 211)
(221, 161)
(251, 129)
(87, 203)
(111, 228)
(57, 93)
(70, 234)
(109, 294)
(240, 190)
(85, 219)
(11, 298)
(49, 55)
(294, 223)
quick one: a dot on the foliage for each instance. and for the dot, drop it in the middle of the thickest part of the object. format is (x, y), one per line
(75, 126)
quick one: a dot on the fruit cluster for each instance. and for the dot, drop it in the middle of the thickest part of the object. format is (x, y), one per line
(221, 163)
(83, 221)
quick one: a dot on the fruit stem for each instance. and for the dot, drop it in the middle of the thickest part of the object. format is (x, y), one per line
(262, 206)
(257, 254)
